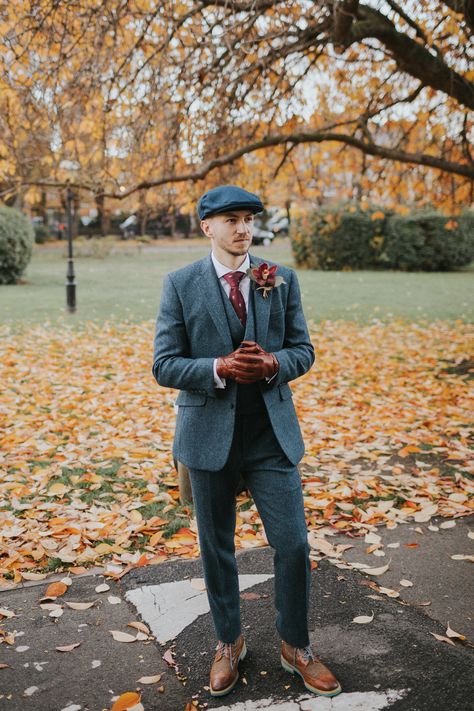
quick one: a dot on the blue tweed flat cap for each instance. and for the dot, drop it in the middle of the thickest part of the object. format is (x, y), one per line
(226, 198)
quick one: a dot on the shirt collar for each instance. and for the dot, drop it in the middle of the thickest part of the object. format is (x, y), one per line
(221, 269)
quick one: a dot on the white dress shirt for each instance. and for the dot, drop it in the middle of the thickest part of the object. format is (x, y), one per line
(244, 287)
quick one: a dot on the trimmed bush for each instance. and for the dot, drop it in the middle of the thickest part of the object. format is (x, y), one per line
(16, 244)
(428, 241)
(42, 234)
(349, 237)
(340, 237)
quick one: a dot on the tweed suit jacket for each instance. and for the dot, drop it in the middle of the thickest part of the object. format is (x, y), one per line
(192, 330)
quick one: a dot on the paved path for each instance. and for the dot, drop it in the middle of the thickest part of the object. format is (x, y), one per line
(393, 663)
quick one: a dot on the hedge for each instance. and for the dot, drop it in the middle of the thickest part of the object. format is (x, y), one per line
(350, 236)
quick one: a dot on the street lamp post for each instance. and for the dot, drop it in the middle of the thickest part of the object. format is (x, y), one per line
(71, 281)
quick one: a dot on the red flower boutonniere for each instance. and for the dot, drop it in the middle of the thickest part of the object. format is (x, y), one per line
(264, 277)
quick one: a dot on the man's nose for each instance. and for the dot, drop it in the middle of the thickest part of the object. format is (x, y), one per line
(242, 226)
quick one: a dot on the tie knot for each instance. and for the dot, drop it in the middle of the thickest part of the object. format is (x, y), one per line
(234, 278)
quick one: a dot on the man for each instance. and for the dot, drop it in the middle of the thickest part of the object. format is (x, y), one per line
(231, 341)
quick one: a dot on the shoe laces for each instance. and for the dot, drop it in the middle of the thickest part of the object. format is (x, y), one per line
(225, 649)
(306, 654)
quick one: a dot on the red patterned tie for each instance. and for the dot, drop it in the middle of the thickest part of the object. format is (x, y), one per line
(236, 298)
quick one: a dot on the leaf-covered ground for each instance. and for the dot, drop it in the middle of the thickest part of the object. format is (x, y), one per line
(86, 470)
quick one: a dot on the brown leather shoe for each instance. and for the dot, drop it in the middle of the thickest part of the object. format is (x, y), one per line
(224, 670)
(316, 676)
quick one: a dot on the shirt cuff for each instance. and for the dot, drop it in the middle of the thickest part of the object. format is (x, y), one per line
(218, 382)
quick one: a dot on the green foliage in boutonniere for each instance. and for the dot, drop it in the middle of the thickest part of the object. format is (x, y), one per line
(264, 277)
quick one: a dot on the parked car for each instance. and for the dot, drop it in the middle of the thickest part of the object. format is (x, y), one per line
(261, 236)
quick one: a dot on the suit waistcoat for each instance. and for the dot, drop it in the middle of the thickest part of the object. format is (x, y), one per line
(249, 397)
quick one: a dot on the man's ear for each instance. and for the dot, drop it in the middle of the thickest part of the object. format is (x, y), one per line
(206, 228)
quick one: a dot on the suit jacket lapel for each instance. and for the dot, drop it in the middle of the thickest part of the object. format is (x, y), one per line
(262, 308)
(212, 295)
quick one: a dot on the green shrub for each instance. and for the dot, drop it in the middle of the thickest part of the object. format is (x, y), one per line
(351, 237)
(42, 234)
(344, 236)
(428, 241)
(16, 244)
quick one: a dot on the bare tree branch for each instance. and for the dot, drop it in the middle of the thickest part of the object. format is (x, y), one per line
(275, 140)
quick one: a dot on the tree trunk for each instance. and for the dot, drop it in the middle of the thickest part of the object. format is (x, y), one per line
(103, 214)
(142, 212)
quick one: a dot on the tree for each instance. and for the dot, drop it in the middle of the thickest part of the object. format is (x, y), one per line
(382, 90)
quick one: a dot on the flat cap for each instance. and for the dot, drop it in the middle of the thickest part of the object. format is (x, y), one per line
(226, 198)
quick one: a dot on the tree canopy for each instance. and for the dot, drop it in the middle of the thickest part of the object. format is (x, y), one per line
(352, 97)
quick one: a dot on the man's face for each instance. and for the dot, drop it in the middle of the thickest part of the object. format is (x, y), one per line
(231, 233)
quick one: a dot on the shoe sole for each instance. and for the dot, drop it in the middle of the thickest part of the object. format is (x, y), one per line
(290, 668)
(229, 688)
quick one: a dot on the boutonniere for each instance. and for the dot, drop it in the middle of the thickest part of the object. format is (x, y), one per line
(264, 277)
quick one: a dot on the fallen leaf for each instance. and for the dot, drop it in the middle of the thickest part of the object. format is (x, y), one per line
(198, 583)
(103, 587)
(252, 596)
(114, 600)
(389, 592)
(149, 679)
(426, 513)
(363, 619)
(33, 576)
(122, 636)
(168, 657)
(376, 571)
(80, 605)
(4, 666)
(443, 639)
(68, 647)
(406, 583)
(451, 633)
(30, 690)
(57, 613)
(6, 613)
(139, 626)
(126, 701)
(55, 590)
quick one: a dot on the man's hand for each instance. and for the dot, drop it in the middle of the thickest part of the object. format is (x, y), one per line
(252, 363)
(225, 366)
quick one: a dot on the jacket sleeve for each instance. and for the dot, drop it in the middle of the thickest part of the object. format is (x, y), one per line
(297, 355)
(172, 365)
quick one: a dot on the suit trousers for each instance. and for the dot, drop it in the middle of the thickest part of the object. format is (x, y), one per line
(275, 485)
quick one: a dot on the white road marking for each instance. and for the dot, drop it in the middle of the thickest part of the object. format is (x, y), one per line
(170, 607)
(354, 701)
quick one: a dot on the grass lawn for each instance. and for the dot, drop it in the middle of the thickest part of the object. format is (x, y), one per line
(126, 286)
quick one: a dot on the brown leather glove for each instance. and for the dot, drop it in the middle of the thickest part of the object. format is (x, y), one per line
(225, 365)
(252, 363)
